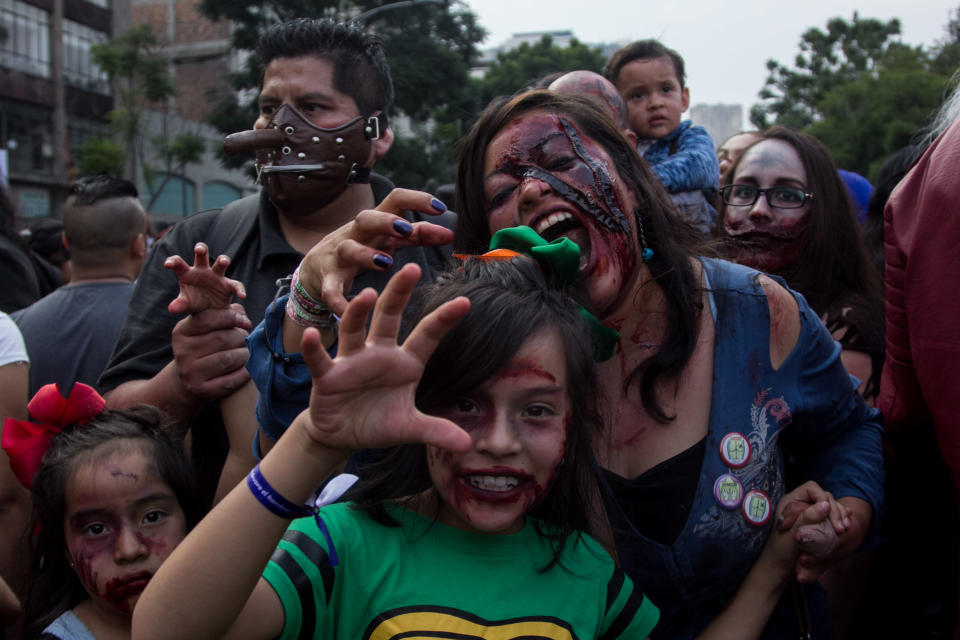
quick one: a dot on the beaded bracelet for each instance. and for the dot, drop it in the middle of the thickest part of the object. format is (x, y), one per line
(307, 311)
(273, 501)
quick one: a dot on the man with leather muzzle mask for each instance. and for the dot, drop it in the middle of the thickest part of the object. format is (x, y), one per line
(323, 100)
(304, 167)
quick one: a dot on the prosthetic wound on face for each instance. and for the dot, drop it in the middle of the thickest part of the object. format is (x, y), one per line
(304, 167)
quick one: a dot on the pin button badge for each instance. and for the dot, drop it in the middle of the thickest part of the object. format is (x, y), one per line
(728, 491)
(756, 508)
(735, 450)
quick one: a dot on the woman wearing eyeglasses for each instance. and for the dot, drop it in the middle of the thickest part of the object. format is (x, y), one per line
(786, 212)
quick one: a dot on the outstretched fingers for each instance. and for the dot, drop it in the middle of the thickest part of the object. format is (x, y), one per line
(443, 433)
(353, 323)
(428, 333)
(388, 313)
(314, 355)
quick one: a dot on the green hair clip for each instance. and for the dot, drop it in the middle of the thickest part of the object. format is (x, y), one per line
(560, 258)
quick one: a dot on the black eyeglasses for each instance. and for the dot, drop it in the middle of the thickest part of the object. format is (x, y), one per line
(746, 195)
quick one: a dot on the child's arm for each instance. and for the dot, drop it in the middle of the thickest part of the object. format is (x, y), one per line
(693, 167)
(210, 585)
(203, 287)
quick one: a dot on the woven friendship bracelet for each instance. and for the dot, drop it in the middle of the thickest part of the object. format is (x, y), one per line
(307, 311)
(304, 298)
(273, 501)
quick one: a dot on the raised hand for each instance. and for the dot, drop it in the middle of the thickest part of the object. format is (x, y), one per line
(364, 398)
(203, 287)
(368, 242)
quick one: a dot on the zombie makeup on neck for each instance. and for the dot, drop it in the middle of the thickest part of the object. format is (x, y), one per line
(121, 522)
(543, 172)
(518, 422)
(761, 236)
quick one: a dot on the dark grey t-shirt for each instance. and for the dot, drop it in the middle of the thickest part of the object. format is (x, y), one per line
(71, 332)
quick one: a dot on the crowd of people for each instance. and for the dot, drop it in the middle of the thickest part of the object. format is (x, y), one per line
(635, 386)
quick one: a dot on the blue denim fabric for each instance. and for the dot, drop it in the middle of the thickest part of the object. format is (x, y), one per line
(693, 167)
(282, 379)
(804, 421)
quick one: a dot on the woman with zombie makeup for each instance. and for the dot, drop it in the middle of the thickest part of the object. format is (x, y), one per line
(112, 496)
(787, 212)
(725, 389)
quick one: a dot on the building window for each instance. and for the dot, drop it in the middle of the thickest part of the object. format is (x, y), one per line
(177, 197)
(79, 68)
(34, 202)
(79, 130)
(219, 194)
(25, 131)
(24, 38)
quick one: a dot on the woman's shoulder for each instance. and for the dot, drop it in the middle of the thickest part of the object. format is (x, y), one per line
(783, 308)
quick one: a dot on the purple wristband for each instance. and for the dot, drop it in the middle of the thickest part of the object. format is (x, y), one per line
(273, 501)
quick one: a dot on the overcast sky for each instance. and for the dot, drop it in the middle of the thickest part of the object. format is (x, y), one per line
(725, 48)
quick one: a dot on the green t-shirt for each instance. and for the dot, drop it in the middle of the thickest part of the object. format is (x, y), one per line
(425, 579)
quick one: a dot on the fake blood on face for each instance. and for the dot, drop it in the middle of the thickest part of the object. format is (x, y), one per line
(119, 591)
(518, 423)
(543, 172)
(764, 237)
(121, 522)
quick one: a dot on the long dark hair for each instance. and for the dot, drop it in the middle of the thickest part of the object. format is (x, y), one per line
(672, 241)
(510, 301)
(834, 272)
(55, 587)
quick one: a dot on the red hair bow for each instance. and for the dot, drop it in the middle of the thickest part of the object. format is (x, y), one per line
(26, 442)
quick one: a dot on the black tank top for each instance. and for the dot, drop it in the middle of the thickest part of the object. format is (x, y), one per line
(658, 501)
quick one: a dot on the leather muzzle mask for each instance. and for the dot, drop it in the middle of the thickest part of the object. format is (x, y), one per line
(304, 167)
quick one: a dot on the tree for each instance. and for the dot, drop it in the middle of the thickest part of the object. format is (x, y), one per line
(100, 156)
(140, 81)
(430, 48)
(826, 60)
(862, 122)
(520, 67)
(859, 90)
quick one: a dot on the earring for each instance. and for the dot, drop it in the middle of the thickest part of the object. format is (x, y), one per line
(646, 253)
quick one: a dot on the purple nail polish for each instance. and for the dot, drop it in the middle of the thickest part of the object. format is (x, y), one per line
(438, 205)
(382, 261)
(402, 227)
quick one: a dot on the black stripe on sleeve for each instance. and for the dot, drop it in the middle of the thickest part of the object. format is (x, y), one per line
(316, 554)
(300, 580)
(614, 585)
(630, 608)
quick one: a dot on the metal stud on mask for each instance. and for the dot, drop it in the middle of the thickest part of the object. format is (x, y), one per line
(304, 167)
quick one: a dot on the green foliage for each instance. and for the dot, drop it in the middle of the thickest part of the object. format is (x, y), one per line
(826, 60)
(858, 89)
(140, 81)
(520, 67)
(96, 156)
(139, 77)
(875, 114)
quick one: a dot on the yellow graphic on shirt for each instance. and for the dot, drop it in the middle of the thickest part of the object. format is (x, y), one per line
(431, 624)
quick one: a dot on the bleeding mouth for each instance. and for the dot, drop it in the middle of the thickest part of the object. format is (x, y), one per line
(563, 223)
